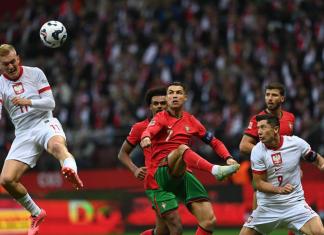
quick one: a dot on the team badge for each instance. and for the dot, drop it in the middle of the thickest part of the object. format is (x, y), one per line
(18, 88)
(250, 125)
(249, 220)
(276, 159)
(187, 128)
(163, 205)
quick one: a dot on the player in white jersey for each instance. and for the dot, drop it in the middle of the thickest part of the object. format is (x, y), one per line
(275, 165)
(28, 99)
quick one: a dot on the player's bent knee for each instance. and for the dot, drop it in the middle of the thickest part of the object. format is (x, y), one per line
(209, 223)
(55, 147)
(182, 148)
(6, 181)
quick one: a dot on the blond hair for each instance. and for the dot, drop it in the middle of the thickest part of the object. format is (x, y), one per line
(5, 49)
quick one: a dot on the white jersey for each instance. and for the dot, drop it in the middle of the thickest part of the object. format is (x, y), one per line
(281, 167)
(30, 84)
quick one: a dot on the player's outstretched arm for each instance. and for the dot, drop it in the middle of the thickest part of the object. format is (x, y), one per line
(124, 157)
(263, 186)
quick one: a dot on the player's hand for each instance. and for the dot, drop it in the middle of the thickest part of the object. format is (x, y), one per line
(321, 167)
(145, 142)
(21, 101)
(140, 173)
(288, 188)
(231, 161)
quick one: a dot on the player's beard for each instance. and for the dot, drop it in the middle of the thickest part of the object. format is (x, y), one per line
(273, 107)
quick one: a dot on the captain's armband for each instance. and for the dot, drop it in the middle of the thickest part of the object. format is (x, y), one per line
(311, 156)
(208, 137)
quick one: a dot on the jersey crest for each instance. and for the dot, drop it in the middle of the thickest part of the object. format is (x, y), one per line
(18, 88)
(276, 159)
(187, 128)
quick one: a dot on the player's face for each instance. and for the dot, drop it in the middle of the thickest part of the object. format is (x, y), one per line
(9, 65)
(266, 132)
(273, 99)
(158, 103)
(176, 96)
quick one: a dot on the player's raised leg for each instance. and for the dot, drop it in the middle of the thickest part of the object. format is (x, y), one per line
(183, 155)
(57, 147)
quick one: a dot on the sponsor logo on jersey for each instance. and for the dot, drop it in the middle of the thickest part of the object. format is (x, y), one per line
(163, 204)
(249, 219)
(276, 159)
(18, 88)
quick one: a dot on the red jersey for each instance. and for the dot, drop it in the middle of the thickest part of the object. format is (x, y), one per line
(168, 132)
(134, 138)
(287, 121)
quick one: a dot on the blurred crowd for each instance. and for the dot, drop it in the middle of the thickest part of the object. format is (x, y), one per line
(226, 51)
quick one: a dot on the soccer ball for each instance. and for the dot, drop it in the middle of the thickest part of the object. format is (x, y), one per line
(53, 34)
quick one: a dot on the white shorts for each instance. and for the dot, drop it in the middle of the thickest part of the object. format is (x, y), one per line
(29, 144)
(293, 217)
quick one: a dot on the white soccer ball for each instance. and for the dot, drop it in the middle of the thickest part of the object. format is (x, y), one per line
(53, 34)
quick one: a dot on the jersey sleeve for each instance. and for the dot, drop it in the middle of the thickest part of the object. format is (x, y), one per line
(134, 136)
(252, 129)
(155, 125)
(201, 130)
(42, 82)
(257, 163)
(304, 147)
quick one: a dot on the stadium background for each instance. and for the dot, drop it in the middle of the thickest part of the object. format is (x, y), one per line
(225, 51)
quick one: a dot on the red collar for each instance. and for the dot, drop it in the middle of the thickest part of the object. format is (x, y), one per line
(279, 146)
(21, 70)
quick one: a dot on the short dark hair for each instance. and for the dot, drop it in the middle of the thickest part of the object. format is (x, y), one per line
(277, 85)
(177, 83)
(157, 91)
(271, 119)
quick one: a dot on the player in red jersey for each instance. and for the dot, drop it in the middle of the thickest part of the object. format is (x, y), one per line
(155, 99)
(169, 134)
(274, 98)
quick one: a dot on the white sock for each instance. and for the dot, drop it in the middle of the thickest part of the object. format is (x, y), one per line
(70, 163)
(214, 170)
(27, 202)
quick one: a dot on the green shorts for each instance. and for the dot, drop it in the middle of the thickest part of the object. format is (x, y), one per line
(186, 189)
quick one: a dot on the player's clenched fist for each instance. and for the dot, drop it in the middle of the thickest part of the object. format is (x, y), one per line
(145, 142)
(288, 188)
(21, 101)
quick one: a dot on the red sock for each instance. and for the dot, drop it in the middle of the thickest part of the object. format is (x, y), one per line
(193, 160)
(148, 232)
(291, 233)
(201, 231)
